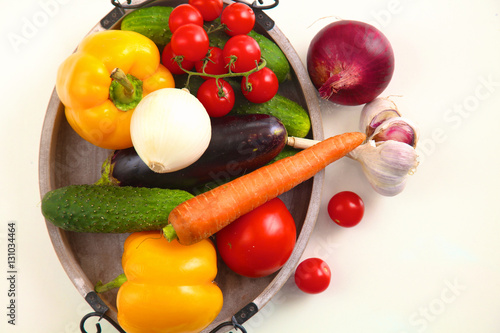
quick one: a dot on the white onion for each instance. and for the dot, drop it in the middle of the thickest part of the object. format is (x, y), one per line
(170, 129)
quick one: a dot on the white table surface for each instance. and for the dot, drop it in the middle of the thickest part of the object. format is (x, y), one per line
(427, 260)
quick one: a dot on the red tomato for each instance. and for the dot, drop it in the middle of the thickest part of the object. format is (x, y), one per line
(346, 209)
(217, 96)
(167, 59)
(242, 53)
(184, 14)
(260, 242)
(191, 41)
(214, 63)
(261, 86)
(313, 276)
(209, 9)
(238, 18)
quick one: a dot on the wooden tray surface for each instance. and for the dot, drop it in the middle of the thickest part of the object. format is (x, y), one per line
(66, 159)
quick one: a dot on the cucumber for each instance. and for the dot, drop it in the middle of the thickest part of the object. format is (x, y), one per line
(275, 58)
(286, 152)
(110, 209)
(292, 115)
(151, 22)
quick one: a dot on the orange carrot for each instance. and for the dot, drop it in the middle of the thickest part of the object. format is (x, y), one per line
(205, 214)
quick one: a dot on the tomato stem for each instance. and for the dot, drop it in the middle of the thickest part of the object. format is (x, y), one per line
(258, 67)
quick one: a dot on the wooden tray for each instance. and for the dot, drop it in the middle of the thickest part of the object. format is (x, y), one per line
(67, 159)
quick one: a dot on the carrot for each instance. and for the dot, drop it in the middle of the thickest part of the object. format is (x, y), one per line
(205, 214)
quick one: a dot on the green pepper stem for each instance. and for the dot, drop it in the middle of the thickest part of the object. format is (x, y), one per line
(115, 283)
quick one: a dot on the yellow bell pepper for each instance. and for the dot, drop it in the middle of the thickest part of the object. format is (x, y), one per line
(99, 107)
(169, 287)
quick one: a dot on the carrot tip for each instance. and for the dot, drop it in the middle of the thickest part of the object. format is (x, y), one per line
(169, 232)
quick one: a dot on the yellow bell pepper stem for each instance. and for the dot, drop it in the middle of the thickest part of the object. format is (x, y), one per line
(125, 91)
(120, 76)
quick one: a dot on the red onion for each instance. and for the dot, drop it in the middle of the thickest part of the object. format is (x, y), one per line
(350, 62)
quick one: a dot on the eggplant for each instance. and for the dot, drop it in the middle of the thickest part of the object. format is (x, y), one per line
(239, 144)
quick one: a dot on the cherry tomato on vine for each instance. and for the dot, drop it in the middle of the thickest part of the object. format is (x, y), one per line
(209, 9)
(212, 64)
(260, 242)
(313, 276)
(184, 14)
(241, 53)
(261, 86)
(238, 18)
(346, 209)
(167, 59)
(217, 96)
(191, 41)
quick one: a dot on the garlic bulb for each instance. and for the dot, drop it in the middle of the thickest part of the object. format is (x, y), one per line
(375, 113)
(386, 164)
(398, 129)
(170, 129)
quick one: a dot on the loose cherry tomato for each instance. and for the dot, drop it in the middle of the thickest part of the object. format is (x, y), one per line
(241, 53)
(212, 64)
(184, 14)
(313, 276)
(346, 209)
(191, 41)
(209, 9)
(260, 242)
(238, 18)
(167, 59)
(217, 96)
(261, 86)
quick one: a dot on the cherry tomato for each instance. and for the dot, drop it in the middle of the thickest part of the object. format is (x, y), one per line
(242, 53)
(167, 59)
(209, 9)
(346, 209)
(212, 64)
(238, 18)
(184, 14)
(261, 86)
(260, 242)
(217, 96)
(313, 276)
(191, 41)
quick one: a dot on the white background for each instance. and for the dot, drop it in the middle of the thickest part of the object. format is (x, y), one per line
(427, 260)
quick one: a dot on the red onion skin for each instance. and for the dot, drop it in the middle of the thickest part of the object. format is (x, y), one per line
(350, 62)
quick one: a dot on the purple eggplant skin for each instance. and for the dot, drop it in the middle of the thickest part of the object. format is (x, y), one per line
(239, 144)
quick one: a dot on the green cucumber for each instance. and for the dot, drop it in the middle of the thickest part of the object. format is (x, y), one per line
(287, 151)
(275, 58)
(292, 115)
(110, 209)
(151, 22)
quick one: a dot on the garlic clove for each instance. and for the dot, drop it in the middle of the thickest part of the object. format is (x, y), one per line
(397, 129)
(386, 164)
(375, 113)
